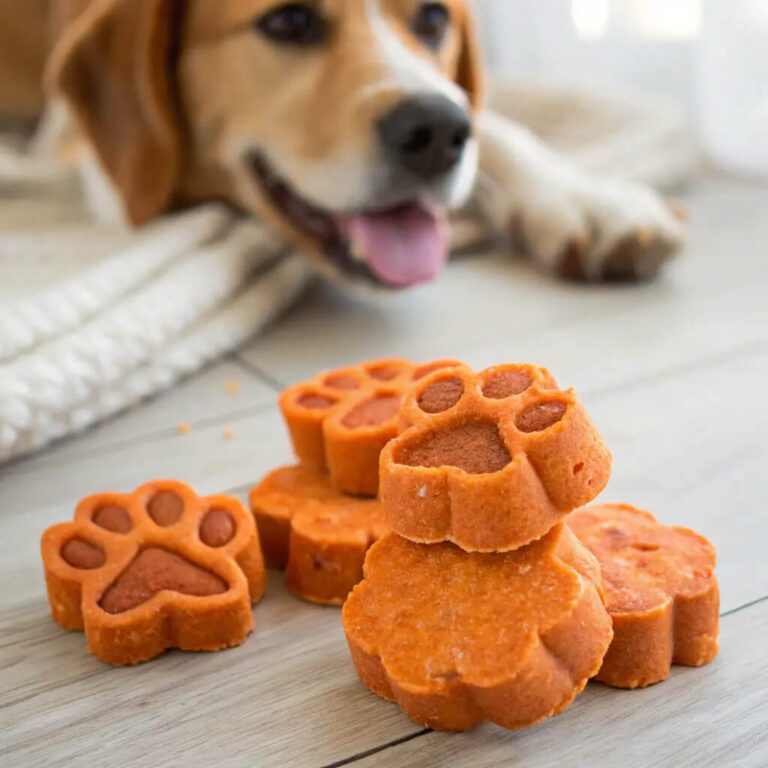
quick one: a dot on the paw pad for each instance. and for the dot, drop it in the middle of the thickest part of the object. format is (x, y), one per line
(660, 590)
(425, 629)
(340, 420)
(316, 533)
(155, 569)
(490, 461)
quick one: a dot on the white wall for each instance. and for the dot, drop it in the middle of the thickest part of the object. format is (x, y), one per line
(711, 56)
(538, 39)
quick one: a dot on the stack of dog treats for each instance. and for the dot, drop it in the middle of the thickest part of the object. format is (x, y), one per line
(479, 602)
(482, 604)
(318, 519)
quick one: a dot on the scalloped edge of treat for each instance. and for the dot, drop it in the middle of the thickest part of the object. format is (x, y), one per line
(553, 657)
(166, 620)
(628, 663)
(432, 504)
(287, 544)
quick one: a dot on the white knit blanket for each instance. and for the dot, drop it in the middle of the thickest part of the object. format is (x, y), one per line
(95, 318)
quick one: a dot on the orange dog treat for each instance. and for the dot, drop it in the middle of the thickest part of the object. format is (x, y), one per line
(156, 569)
(492, 460)
(455, 638)
(276, 499)
(661, 592)
(316, 533)
(341, 419)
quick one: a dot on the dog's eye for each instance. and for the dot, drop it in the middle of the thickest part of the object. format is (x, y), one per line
(431, 23)
(293, 23)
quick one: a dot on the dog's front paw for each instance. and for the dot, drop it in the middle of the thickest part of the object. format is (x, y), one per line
(604, 230)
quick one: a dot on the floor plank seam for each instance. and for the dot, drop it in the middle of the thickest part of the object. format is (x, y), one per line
(150, 437)
(266, 378)
(713, 360)
(49, 689)
(375, 750)
(396, 742)
(744, 607)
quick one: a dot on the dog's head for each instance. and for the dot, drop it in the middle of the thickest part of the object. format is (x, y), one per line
(345, 124)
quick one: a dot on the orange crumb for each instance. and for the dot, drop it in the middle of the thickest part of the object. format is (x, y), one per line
(184, 428)
(233, 387)
(229, 433)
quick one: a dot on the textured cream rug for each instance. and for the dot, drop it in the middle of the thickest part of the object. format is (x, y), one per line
(95, 318)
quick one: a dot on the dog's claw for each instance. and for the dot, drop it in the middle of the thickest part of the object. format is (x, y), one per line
(570, 265)
(636, 258)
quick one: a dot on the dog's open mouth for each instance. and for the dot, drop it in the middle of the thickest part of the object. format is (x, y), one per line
(399, 247)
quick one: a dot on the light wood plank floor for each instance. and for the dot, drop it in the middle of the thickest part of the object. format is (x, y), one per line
(674, 374)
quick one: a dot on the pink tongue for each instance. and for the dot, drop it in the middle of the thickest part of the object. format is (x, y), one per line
(403, 246)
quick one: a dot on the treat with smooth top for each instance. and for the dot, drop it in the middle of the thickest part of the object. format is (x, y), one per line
(456, 638)
(491, 460)
(156, 569)
(341, 419)
(660, 589)
(320, 536)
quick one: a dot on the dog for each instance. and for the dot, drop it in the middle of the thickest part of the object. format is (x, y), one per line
(351, 127)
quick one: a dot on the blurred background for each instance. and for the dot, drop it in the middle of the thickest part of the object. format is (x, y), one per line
(672, 93)
(708, 57)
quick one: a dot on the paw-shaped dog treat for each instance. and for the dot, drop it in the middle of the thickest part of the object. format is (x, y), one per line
(316, 533)
(275, 501)
(492, 460)
(456, 638)
(340, 420)
(660, 589)
(156, 569)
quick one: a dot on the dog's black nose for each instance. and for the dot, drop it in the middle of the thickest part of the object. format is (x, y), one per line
(425, 134)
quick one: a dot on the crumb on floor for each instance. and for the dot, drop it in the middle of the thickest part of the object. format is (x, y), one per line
(233, 387)
(229, 433)
(184, 428)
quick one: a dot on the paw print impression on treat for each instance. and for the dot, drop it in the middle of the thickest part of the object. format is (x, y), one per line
(660, 589)
(491, 460)
(341, 419)
(156, 569)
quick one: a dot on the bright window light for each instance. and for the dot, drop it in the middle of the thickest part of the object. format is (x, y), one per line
(759, 11)
(666, 19)
(591, 18)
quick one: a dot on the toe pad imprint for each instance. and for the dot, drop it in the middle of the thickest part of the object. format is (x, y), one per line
(340, 420)
(490, 461)
(159, 568)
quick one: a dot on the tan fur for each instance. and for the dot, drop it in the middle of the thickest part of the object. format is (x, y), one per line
(173, 94)
(167, 92)
(234, 86)
(111, 65)
(24, 44)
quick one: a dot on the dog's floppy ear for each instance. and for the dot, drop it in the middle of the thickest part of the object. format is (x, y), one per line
(113, 65)
(470, 72)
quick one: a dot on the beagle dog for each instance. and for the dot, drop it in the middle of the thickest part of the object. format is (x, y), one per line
(352, 127)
